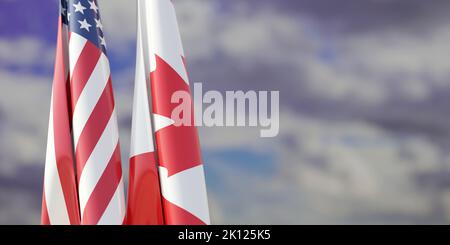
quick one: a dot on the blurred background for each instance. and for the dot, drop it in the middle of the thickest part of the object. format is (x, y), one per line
(365, 106)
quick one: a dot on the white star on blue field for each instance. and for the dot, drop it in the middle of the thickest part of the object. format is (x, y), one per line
(85, 21)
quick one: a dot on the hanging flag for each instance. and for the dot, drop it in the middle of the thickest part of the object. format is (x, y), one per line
(95, 129)
(180, 167)
(144, 195)
(60, 198)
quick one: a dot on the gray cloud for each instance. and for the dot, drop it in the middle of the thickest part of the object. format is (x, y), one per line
(369, 15)
(334, 172)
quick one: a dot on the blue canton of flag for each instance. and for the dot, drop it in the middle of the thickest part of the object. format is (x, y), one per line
(63, 12)
(83, 18)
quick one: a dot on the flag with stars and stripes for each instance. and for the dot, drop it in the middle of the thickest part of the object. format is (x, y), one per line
(92, 114)
(181, 173)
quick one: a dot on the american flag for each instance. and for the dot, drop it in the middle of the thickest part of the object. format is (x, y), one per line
(93, 117)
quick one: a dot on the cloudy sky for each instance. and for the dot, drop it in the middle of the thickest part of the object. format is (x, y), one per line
(364, 111)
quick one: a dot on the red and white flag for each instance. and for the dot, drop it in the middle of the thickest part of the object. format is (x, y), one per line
(144, 195)
(178, 150)
(60, 197)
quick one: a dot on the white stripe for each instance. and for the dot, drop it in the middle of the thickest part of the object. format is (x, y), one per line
(54, 196)
(90, 96)
(115, 212)
(76, 45)
(97, 162)
(187, 190)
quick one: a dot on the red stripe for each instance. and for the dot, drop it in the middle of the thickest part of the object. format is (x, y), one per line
(62, 136)
(94, 127)
(86, 63)
(45, 220)
(178, 147)
(144, 195)
(175, 215)
(104, 190)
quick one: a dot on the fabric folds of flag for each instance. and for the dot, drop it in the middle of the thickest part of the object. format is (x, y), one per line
(60, 198)
(83, 130)
(95, 128)
(144, 195)
(180, 166)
